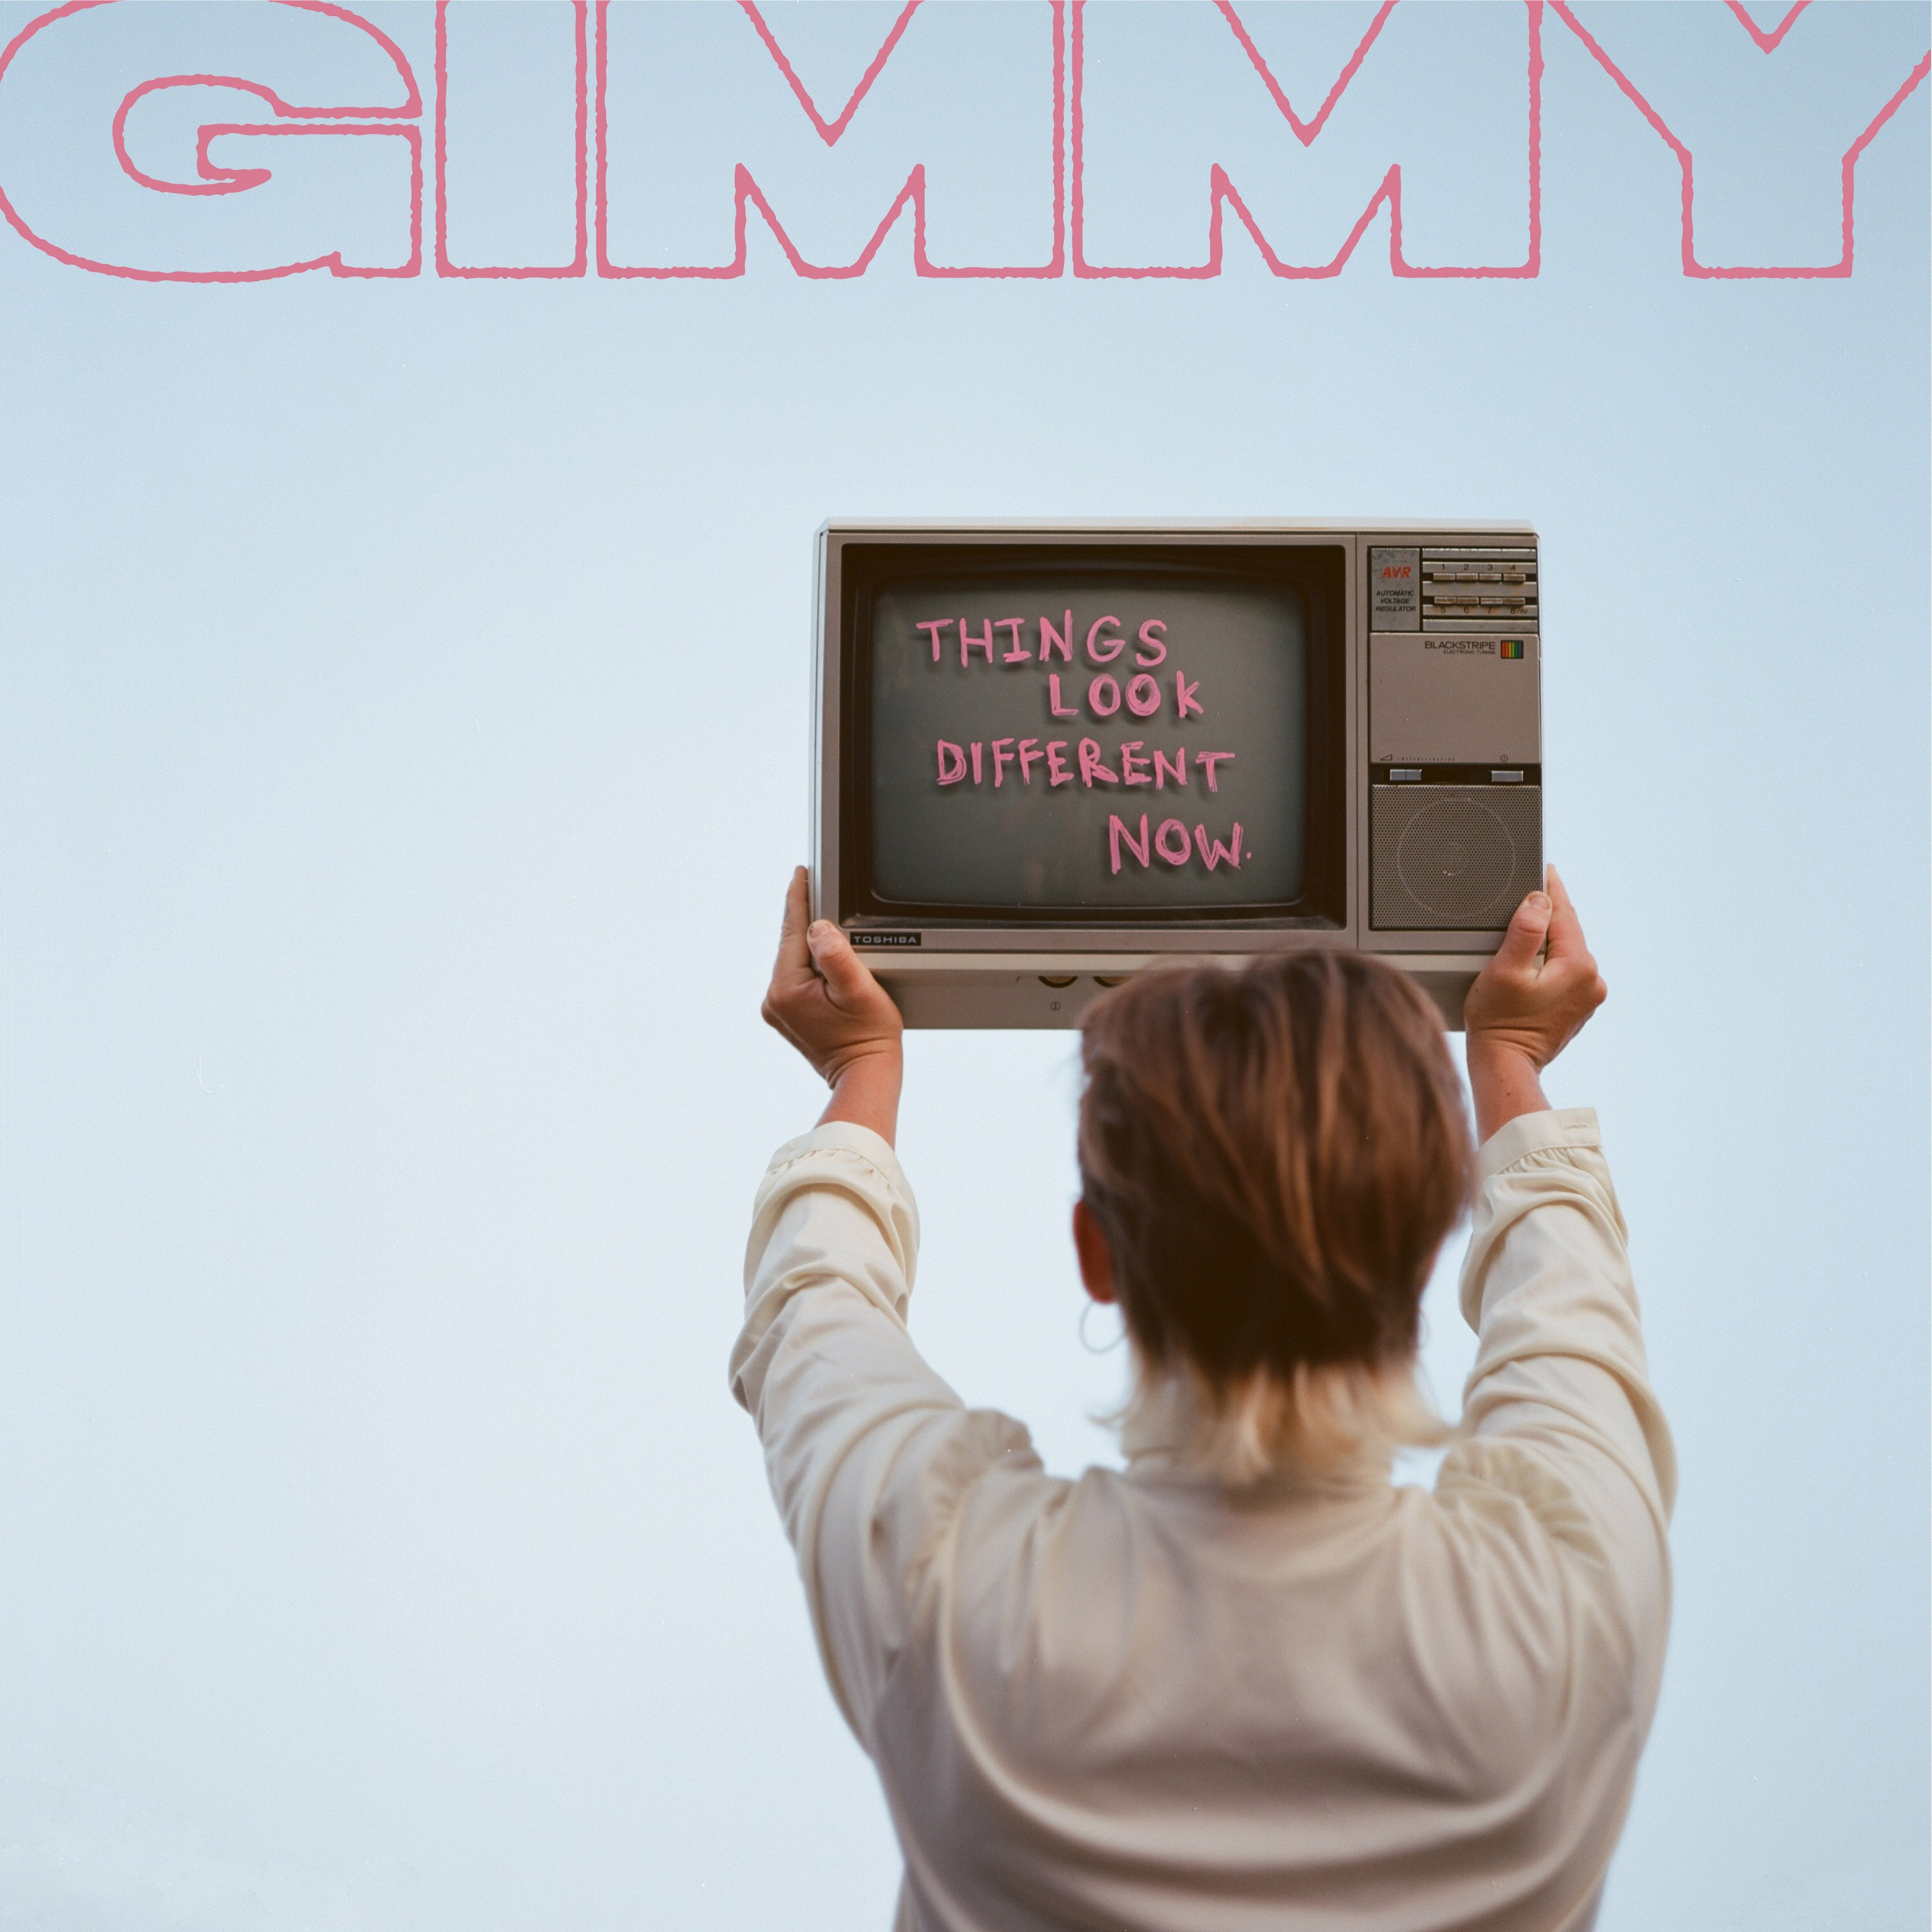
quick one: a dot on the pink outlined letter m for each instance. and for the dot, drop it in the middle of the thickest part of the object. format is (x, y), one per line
(820, 128)
(1306, 123)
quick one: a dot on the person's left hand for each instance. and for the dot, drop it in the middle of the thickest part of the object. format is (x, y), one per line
(824, 999)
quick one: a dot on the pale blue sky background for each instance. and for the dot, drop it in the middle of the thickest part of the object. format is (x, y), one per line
(402, 736)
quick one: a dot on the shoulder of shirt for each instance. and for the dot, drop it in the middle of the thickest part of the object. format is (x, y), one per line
(1552, 1129)
(1480, 1471)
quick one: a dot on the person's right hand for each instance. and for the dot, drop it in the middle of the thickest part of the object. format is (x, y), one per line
(824, 999)
(1527, 1004)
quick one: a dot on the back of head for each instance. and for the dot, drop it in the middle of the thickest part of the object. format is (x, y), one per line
(1275, 1156)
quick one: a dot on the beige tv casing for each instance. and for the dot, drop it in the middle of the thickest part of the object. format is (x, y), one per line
(1426, 685)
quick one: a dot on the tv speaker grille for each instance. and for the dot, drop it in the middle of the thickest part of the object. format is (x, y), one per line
(1452, 858)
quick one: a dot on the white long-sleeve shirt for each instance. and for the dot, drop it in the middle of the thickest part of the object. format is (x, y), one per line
(1137, 1699)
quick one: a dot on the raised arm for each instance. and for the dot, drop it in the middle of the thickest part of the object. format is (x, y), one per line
(1560, 1374)
(869, 1451)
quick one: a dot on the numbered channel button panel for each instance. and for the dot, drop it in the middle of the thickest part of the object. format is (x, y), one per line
(1479, 586)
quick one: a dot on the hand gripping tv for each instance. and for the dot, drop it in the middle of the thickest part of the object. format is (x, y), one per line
(1047, 757)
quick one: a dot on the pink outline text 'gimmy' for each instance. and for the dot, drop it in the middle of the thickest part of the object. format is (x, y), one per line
(1063, 50)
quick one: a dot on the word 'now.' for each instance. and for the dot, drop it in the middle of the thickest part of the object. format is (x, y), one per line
(1171, 843)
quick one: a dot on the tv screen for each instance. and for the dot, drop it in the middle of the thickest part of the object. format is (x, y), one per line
(1069, 737)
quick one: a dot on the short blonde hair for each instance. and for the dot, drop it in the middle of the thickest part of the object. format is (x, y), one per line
(1314, 1420)
(1275, 1156)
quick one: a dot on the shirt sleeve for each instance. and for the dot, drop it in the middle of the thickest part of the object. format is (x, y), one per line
(868, 1450)
(1561, 1375)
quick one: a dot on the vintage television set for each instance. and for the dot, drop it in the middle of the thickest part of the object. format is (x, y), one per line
(1047, 757)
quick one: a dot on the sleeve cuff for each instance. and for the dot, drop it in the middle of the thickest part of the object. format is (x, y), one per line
(1528, 1134)
(845, 1137)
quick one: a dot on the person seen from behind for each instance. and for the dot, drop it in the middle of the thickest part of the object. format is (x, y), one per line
(1246, 1681)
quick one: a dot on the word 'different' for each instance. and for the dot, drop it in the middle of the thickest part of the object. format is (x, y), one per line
(990, 759)
(1169, 841)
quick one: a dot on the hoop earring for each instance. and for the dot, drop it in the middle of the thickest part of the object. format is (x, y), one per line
(1109, 1348)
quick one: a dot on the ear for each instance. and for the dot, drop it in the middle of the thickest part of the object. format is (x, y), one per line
(1096, 1259)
